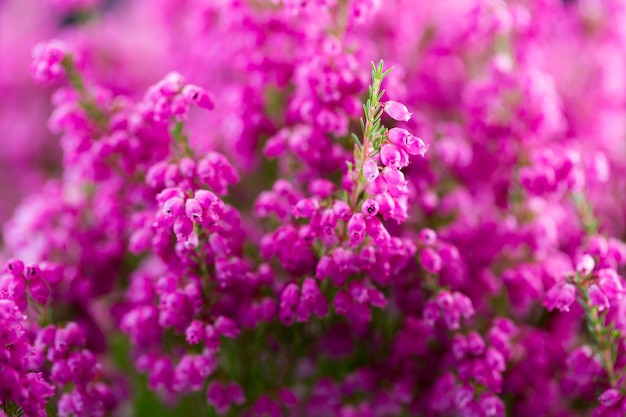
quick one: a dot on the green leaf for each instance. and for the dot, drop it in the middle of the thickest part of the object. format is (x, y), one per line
(357, 141)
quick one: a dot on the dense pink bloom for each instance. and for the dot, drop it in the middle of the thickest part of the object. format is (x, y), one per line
(226, 203)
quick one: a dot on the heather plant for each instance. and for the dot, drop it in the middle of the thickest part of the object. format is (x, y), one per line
(312, 208)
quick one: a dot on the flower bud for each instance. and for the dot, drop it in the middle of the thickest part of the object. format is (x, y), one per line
(356, 228)
(560, 297)
(199, 96)
(226, 327)
(369, 208)
(598, 298)
(193, 210)
(370, 170)
(610, 397)
(585, 265)
(390, 156)
(397, 111)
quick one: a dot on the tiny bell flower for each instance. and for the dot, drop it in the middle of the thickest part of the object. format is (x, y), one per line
(585, 265)
(475, 343)
(394, 177)
(397, 111)
(444, 299)
(39, 291)
(403, 139)
(173, 207)
(390, 156)
(560, 297)
(32, 272)
(50, 272)
(192, 241)
(610, 397)
(182, 228)
(376, 229)
(598, 298)
(463, 305)
(492, 405)
(427, 237)
(495, 359)
(431, 312)
(342, 302)
(226, 327)
(14, 266)
(325, 267)
(288, 301)
(328, 219)
(370, 170)
(170, 85)
(342, 210)
(199, 96)
(194, 332)
(321, 188)
(311, 300)
(463, 396)
(459, 346)
(376, 298)
(305, 208)
(610, 283)
(187, 167)
(369, 208)
(357, 228)
(47, 57)
(386, 204)
(193, 210)
(168, 193)
(430, 260)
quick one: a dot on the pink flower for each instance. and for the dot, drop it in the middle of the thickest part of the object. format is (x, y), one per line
(598, 298)
(610, 397)
(560, 297)
(405, 140)
(585, 265)
(397, 111)
(370, 170)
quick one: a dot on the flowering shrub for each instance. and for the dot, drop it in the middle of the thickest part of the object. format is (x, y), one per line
(313, 208)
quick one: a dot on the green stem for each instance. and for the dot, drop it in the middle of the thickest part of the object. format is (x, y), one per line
(603, 343)
(371, 131)
(605, 338)
(87, 101)
(181, 140)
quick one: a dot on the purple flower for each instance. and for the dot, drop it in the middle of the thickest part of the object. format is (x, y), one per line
(610, 397)
(397, 111)
(369, 208)
(357, 228)
(409, 143)
(370, 170)
(560, 296)
(47, 60)
(597, 298)
(585, 265)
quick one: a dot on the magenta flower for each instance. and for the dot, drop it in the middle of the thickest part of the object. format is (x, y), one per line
(397, 111)
(560, 296)
(370, 170)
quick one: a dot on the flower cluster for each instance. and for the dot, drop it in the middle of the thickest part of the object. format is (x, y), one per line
(41, 363)
(213, 213)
